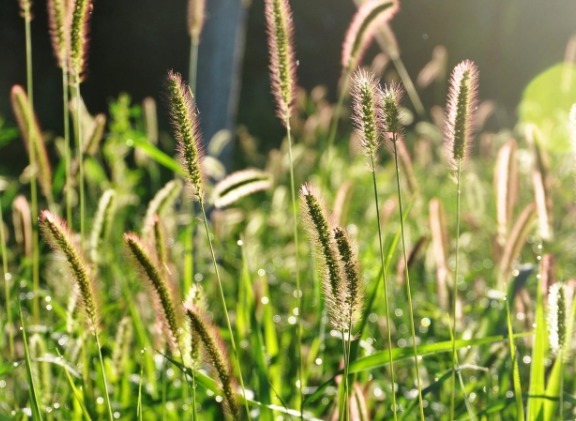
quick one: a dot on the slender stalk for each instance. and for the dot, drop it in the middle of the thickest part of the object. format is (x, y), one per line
(337, 110)
(385, 283)
(104, 380)
(67, 159)
(407, 275)
(344, 413)
(7, 278)
(223, 302)
(408, 85)
(193, 65)
(455, 292)
(298, 290)
(79, 154)
(34, 175)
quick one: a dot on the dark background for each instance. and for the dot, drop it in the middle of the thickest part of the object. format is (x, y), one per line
(134, 42)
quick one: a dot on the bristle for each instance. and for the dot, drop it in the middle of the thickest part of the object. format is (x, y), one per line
(282, 59)
(186, 130)
(460, 109)
(216, 351)
(371, 15)
(59, 29)
(60, 239)
(32, 136)
(320, 233)
(79, 30)
(22, 220)
(196, 16)
(353, 288)
(160, 286)
(366, 95)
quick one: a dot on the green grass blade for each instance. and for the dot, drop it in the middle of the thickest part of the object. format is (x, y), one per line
(157, 155)
(515, 371)
(537, 369)
(36, 414)
(380, 359)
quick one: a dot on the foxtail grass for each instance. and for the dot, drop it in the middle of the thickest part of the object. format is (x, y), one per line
(369, 17)
(280, 29)
(216, 352)
(506, 185)
(61, 240)
(22, 220)
(59, 24)
(162, 291)
(79, 19)
(366, 94)
(460, 108)
(186, 130)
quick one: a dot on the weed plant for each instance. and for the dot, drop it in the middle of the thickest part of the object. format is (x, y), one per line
(437, 282)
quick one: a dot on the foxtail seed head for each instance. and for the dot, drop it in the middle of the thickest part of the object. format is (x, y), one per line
(366, 95)
(353, 291)
(22, 220)
(59, 29)
(60, 239)
(391, 97)
(371, 15)
(559, 307)
(160, 286)
(320, 233)
(79, 30)
(460, 109)
(186, 130)
(102, 223)
(216, 351)
(32, 136)
(282, 62)
(196, 16)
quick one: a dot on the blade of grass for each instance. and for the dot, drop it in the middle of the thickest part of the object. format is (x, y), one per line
(36, 414)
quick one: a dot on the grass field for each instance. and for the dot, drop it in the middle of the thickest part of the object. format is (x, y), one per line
(386, 262)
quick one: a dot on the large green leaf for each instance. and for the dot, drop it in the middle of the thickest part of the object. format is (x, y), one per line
(546, 103)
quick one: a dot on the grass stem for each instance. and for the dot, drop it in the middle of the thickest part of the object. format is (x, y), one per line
(407, 275)
(298, 290)
(104, 380)
(7, 277)
(385, 283)
(455, 294)
(223, 302)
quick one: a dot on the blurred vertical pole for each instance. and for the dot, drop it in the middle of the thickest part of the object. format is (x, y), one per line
(219, 68)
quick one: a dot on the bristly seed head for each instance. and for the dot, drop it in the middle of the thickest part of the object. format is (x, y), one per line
(186, 130)
(353, 291)
(280, 30)
(371, 15)
(160, 286)
(366, 111)
(320, 233)
(460, 110)
(559, 307)
(60, 239)
(80, 27)
(391, 97)
(216, 351)
(59, 29)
